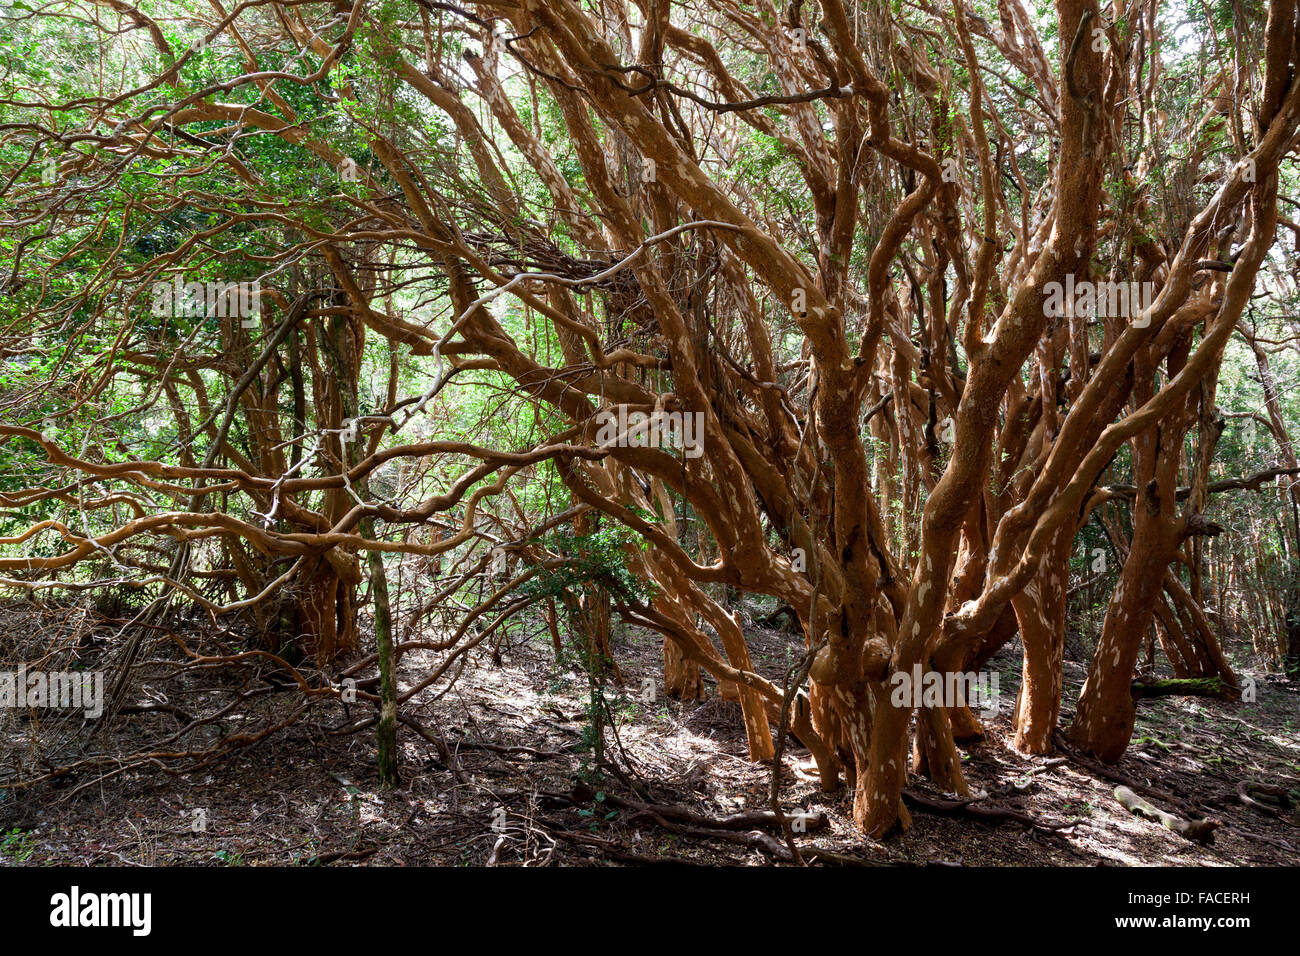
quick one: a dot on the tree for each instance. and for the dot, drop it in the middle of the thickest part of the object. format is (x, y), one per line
(788, 296)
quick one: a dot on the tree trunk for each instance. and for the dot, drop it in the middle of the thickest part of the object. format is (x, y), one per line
(386, 729)
(682, 678)
(1040, 611)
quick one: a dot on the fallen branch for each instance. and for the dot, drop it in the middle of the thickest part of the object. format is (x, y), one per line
(1266, 791)
(763, 842)
(975, 808)
(1182, 687)
(1114, 775)
(1199, 831)
(745, 820)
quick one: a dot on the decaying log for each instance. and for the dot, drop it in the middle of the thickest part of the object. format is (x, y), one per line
(1181, 687)
(1199, 831)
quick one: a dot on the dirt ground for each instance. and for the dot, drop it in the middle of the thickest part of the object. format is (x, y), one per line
(510, 786)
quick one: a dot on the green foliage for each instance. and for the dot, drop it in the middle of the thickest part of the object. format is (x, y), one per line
(18, 845)
(596, 558)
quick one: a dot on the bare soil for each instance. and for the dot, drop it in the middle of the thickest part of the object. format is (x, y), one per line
(514, 786)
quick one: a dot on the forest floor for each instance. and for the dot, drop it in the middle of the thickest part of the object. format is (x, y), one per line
(509, 787)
